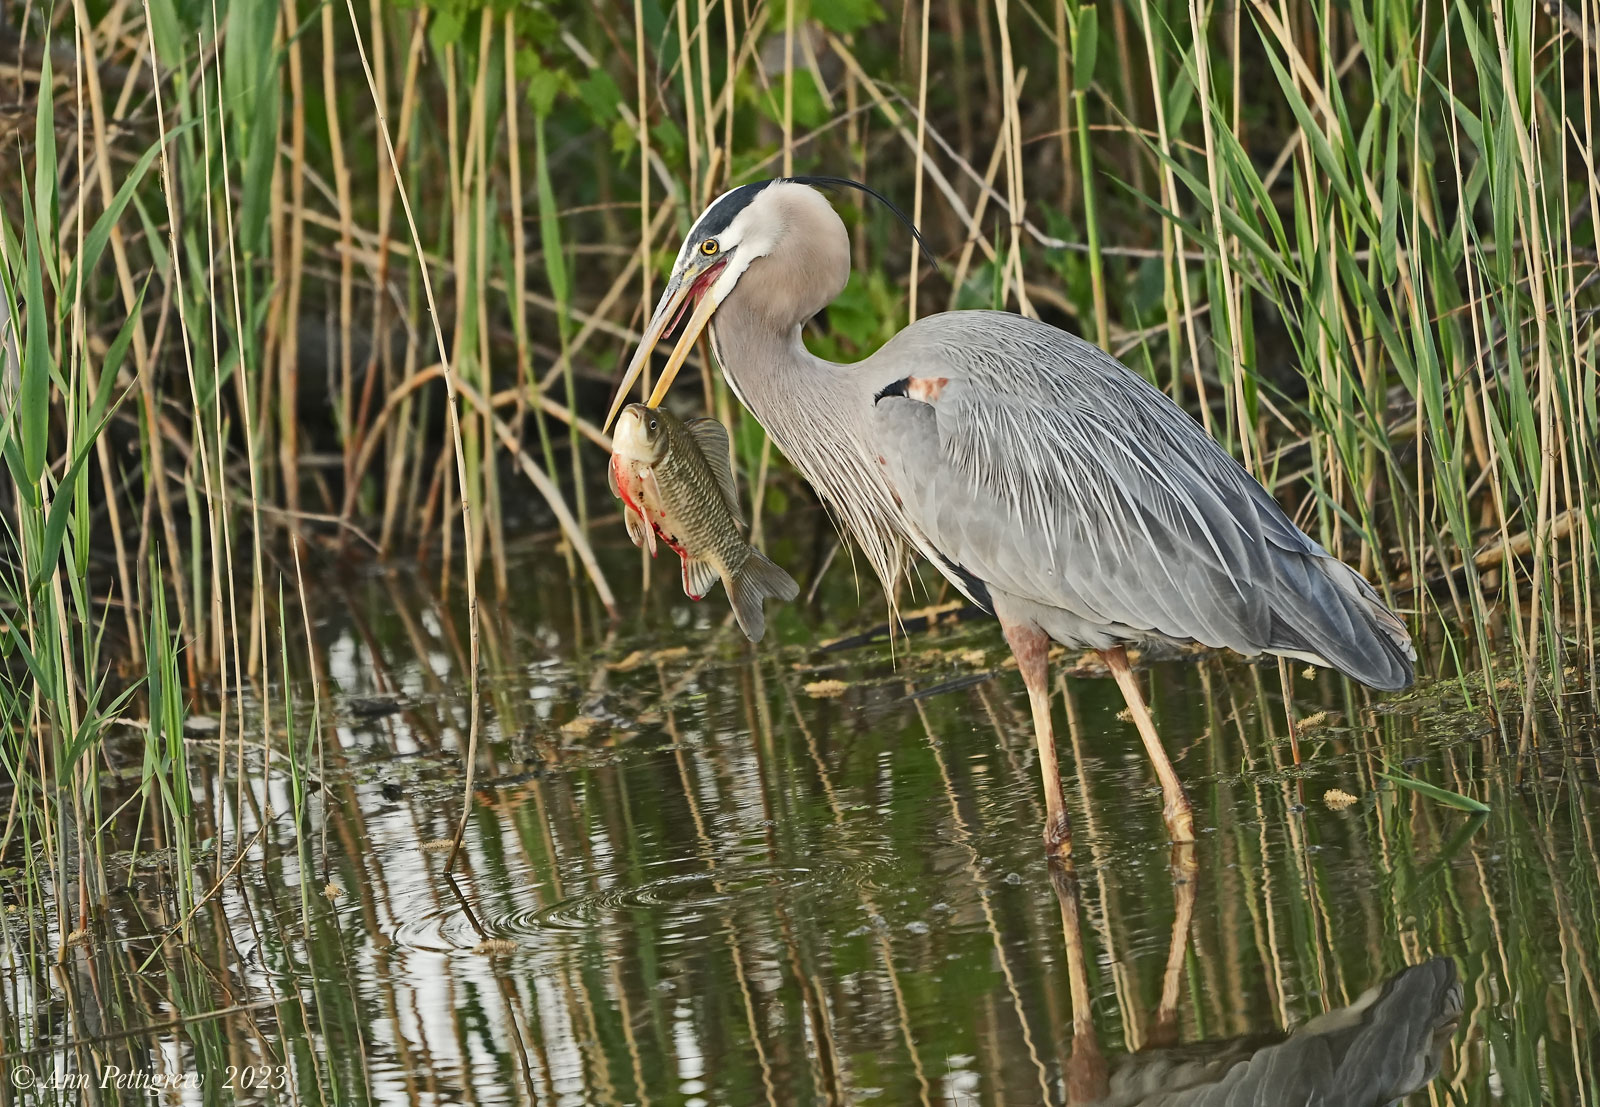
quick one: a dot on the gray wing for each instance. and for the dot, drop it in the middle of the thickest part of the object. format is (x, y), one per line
(1039, 465)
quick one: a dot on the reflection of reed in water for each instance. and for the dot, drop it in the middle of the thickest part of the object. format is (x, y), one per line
(1387, 1044)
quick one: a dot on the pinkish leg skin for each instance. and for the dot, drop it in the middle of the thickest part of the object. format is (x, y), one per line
(1032, 649)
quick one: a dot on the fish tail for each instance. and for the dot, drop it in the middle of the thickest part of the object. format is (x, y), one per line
(758, 579)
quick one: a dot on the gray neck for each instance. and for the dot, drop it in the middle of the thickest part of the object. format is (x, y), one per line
(819, 414)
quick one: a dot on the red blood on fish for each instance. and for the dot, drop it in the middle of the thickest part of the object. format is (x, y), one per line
(626, 485)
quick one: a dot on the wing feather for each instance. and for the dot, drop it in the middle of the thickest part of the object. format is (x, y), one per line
(1053, 474)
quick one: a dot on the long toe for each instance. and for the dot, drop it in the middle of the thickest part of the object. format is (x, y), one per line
(1058, 836)
(1180, 821)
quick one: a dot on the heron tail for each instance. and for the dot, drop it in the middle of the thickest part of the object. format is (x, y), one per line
(758, 579)
(1325, 612)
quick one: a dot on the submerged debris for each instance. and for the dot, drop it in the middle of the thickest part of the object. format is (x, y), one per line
(1337, 799)
(1315, 722)
(630, 663)
(332, 891)
(436, 845)
(492, 947)
(375, 706)
(826, 689)
(580, 727)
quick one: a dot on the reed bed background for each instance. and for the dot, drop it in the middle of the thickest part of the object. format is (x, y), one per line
(353, 281)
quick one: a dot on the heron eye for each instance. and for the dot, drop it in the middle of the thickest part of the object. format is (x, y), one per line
(709, 247)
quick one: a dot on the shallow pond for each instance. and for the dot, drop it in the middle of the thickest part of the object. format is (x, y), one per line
(697, 873)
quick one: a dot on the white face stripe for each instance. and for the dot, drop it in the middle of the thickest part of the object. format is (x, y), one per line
(752, 233)
(715, 216)
(755, 227)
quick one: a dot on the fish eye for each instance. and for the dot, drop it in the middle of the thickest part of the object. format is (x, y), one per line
(652, 424)
(709, 247)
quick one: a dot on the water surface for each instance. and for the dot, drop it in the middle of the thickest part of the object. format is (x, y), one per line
(693, 874)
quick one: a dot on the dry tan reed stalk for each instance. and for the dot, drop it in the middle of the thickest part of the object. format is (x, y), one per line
(1172, 237)
(451, 387)
(922, 131)
(1232, 315)
(940, 181)
(291, 261)
(1015, 189)
(88, 66)
(343, 204)
(963, 263)
(691, 128)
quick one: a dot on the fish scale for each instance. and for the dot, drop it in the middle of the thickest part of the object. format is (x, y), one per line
(676, 483)
(692, 502)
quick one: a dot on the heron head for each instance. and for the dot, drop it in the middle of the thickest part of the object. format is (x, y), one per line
(786, 230)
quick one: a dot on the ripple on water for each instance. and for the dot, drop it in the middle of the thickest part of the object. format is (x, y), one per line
(688, 904)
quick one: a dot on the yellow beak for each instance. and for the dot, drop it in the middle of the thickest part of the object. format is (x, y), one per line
(666, 312)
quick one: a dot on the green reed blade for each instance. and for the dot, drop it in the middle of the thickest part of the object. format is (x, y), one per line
(1436, 793)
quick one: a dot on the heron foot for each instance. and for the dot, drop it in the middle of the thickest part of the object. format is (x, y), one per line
(1179, 816)
(1058, 836)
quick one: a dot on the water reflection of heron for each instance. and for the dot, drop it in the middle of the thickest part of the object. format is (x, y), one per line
(1047, 482)
(1372, 1053)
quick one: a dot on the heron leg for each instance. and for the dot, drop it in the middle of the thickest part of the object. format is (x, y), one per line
(1176, 810)
(1032, 649)
(1163, 1029)
(1085, 1071)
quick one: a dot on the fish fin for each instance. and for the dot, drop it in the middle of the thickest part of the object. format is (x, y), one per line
(698, 577)
(648, 491)
(611, 477)
(712, 438)
(637, 527)
(758, 579)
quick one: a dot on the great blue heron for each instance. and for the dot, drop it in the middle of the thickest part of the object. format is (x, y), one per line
(1051, 485)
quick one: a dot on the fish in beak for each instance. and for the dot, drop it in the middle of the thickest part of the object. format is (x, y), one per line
(690, 285)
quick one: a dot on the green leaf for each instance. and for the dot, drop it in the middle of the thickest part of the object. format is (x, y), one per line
(669, 141)
(1388, 227)
(555, 261)
(845, 16)
(45, 182)
(36, 362)
(445, 28)
(1436, 793)
(547, 83)
(168, 31)
(61, 509)
(601, 96)
(13, 456)
(1085, 44)
(94, 243)
(624, 139)
(543, 88)
(43, 674)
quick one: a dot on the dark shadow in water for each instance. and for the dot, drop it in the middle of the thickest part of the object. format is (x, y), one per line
(1374, 1052)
